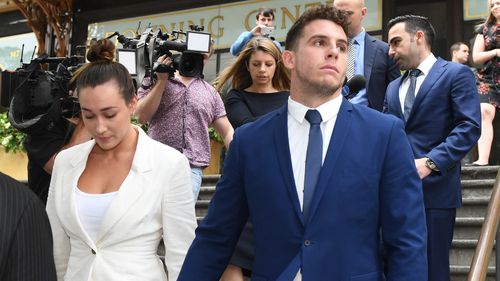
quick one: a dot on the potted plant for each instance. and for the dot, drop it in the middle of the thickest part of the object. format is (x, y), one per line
(13, 159)
(216, 147)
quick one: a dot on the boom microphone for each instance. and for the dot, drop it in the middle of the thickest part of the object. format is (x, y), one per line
(355, 84)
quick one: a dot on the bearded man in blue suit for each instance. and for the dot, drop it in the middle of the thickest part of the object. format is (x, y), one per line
(319, 178)
(439, 104)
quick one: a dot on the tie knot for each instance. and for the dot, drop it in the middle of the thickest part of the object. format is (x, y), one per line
(313, 117)
(415, 72)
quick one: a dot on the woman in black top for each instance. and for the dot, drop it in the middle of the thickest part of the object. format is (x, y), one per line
(260, 84)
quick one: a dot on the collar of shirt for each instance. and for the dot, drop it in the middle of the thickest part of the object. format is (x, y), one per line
(328, 110)
(298, 132)
(360, 38)
(425, 66)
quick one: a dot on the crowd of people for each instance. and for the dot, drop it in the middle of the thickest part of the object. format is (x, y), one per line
(314, 186)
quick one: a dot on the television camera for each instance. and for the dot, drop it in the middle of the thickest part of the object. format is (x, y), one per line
(36, 97)
(140, 54)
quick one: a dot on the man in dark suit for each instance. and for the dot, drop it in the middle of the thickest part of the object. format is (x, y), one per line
(370, 57)
(320, 179)
(25, 236)
(439, 104)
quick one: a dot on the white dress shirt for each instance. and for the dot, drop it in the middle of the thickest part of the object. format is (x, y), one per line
(425, 66)
(298, 138)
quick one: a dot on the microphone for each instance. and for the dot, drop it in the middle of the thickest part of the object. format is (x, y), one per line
(353, 86)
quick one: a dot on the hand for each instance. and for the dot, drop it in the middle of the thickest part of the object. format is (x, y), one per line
(163, 60)
(80, 134)
(422, 170)
(256, 30)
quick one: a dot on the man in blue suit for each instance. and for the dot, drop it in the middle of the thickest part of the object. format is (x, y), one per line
(317, 218)
(370, 55)
(439, 104)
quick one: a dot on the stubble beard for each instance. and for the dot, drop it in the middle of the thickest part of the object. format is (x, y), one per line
(320, 88)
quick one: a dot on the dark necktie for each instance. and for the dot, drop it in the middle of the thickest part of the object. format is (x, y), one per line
(410, 95)
(313, 159)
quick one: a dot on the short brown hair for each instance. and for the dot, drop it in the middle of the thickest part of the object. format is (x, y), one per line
(266, 12)
(320, 12)
(414, 23)
(455, 47)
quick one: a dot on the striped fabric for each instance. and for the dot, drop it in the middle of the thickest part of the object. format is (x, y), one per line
(25, 235)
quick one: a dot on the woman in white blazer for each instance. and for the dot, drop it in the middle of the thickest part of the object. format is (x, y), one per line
(113, 199)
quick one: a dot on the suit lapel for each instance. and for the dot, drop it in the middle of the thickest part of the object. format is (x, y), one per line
(331, 163)
(70, 181)
(132, 187)
(434, 74)
(394, 103)
(370, 50)
(282, 148)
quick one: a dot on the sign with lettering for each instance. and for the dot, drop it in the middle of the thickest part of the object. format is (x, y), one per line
(226, 22)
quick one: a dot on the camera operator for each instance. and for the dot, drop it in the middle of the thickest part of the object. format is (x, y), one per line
(179, 111)
(41, 105)
(264, 26)
(43, 146)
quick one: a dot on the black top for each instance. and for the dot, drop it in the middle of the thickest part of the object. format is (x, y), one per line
(40, 147)
(25, 238)
(243, 107)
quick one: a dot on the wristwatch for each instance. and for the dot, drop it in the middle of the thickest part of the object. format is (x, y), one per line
(431, 165)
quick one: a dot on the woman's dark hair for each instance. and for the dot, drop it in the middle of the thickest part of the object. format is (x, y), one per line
(102, 69)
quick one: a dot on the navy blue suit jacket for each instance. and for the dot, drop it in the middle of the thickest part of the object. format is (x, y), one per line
(443, 125)
(379, 70)
(368, 183)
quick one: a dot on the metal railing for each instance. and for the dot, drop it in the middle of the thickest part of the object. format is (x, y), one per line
(479, 267)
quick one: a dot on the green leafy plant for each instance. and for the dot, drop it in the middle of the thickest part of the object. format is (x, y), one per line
(135, 121)
(10, 138)
(212, 133)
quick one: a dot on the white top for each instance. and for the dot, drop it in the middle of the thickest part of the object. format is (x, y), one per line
(425, 66)
(91, 210)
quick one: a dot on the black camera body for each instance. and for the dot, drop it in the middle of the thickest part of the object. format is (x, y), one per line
(151, 45)
(37, 98)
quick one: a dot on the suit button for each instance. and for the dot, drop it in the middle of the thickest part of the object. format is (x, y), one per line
(307, 243)
(93, 252)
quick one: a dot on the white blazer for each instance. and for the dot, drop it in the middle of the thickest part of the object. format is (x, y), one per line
(155, 200)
